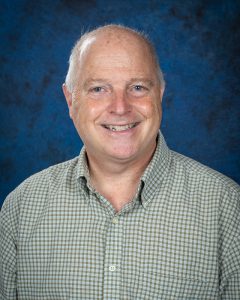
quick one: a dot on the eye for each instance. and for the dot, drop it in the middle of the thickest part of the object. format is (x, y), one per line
(97, 89)
(138, 87)
(138, 90)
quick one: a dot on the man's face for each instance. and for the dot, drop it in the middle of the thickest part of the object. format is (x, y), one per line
(116, 104)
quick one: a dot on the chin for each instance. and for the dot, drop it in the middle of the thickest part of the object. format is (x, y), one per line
(123, 155)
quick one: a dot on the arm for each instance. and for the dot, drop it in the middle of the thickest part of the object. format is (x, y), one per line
(8, 248)
(231, 281)
(229, 257)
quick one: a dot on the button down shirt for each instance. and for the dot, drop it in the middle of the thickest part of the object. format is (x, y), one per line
(177, 239)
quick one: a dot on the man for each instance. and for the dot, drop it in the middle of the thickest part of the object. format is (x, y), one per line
(128, 218)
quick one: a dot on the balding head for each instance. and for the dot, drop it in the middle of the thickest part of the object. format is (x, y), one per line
(108, 36)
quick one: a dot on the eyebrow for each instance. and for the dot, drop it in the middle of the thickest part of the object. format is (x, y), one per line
(93, 80)
(141, 79)
(132, 80)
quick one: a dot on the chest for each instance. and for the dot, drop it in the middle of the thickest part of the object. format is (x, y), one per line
(144, 254)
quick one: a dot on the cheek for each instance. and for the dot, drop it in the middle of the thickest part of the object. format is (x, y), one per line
(87, 110)
(150, 109)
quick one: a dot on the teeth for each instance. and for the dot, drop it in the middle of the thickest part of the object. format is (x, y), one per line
(121, 127)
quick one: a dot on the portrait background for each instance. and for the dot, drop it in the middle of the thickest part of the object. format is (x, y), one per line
(198, 43)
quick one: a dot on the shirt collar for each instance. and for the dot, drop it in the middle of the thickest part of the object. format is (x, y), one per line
(82, 168)
(156, 171)
(152, 177)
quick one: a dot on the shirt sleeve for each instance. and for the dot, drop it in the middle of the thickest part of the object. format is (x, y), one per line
(230, 260)
(8, 247)
(232, 291)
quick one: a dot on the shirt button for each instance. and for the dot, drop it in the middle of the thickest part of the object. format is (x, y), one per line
(112, 268)
(115, 220)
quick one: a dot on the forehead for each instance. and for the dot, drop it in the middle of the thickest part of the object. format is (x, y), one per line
(112, 51)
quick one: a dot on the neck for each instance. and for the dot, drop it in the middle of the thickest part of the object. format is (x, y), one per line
(116, 180)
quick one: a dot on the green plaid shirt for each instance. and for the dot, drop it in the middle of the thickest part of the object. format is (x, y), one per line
(179, 238)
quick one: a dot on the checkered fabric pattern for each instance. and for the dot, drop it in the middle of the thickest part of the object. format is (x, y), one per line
(178, 239)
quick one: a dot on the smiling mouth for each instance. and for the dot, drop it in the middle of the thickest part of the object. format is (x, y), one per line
(120, 127)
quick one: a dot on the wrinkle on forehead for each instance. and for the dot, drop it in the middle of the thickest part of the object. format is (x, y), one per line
(113, 49)
(115, 41)
(117, 36)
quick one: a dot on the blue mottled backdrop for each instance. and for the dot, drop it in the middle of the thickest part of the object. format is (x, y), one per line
(198, 43)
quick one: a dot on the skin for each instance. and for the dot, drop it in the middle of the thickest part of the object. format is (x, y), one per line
(116, 109)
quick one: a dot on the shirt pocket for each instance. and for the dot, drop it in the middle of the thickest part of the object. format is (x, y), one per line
(158, 286)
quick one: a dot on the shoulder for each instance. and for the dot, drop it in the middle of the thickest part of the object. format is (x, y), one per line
(52, 173)
(201, 176)
(24, 205)
(214, 192)
(216, 196)
(39, 185)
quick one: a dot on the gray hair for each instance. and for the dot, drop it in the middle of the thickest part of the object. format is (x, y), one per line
(85, 40)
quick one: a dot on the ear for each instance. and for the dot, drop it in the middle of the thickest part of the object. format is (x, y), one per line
(68, 97)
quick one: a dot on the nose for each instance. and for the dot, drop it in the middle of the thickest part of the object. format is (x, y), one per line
(120, 104)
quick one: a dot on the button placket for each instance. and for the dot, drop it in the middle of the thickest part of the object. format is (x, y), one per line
(115, 220)
(113, 257)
